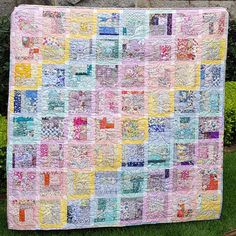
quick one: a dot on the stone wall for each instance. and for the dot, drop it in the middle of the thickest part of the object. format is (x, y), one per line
(8, 5)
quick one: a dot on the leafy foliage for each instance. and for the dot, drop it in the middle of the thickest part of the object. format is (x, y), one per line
(3, 144)
(231, 54)
(4, 81)
(230, 113)
(4, 62)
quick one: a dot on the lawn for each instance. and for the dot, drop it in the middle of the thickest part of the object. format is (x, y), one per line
(200, 228)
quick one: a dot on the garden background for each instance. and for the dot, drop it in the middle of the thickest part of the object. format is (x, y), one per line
(218, 227)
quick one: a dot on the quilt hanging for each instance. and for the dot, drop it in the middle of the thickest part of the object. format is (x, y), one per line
(115, 116)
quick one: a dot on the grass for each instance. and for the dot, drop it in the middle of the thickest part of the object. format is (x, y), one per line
(200, 228)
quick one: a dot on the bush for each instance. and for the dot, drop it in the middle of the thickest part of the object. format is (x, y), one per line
(230, 113)
(4, 75)
(231, 53)
(3, 144)
(4, 62)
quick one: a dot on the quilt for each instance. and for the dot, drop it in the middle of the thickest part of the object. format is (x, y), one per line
(115, 116)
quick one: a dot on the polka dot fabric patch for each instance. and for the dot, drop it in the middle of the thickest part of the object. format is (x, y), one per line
(115, 116)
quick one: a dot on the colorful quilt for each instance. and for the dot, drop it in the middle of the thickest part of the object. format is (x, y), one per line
(115, 116)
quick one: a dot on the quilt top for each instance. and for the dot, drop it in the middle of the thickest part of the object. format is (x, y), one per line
(115, 116)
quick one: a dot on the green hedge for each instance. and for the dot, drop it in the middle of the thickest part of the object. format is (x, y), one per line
(230, 113)
(4, 75)
(231, 53)
(4, 62)
(3, 144)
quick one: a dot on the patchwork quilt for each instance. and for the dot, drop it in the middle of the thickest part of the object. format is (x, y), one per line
(115, 116)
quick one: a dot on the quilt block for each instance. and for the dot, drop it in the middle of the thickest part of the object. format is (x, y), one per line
(115, 116)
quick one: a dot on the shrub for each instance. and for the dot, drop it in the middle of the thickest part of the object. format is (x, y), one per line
(4, 75)
(4, 62)
(230, 113)
(231, 53)
(3, 144)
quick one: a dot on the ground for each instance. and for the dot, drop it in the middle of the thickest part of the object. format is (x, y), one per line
(201, 228)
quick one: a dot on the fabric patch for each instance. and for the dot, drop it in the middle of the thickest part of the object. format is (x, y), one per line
(160, 23)
(77, 213)
(105, 211)
(108, 23)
